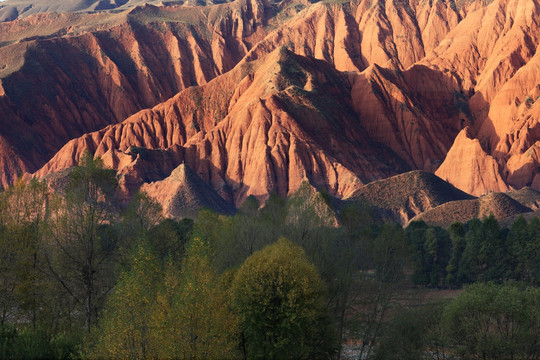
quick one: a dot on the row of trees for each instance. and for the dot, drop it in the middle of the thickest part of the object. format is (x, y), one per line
(60, 254)
(476, 251)
(83, 276)
(486, 321)
(77, 266)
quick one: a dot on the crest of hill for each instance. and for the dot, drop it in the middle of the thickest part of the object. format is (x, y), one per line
(403, 196)
(184, 193)
(527, 197)
(500, 205)
(15, 9)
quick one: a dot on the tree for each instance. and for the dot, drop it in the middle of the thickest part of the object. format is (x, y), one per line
(141, 214)
(127, 329)
(24, 211)
(194, 309)
(81, 259)
(489, 321)
(169, 237)
(278, 296)
(457, 235)
(409, 335)
(524, 248)
(379, 286)
(431, 248)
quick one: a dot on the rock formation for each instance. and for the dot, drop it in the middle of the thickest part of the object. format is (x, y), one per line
(257, 96)
(183, 194)
(404, 196)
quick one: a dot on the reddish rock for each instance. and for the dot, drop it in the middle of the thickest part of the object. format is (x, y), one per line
(469, 168)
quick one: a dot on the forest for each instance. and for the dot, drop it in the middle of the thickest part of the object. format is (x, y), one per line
(85, 277)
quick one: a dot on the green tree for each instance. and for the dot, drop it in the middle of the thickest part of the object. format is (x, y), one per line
(457, 235)
(524, 248)
(278, 296)
(141, 214)
(24, 211)
(127, 329)
(379, 287)
(409, 335)
(491, 321)
(195, 310)
(169, 237)
(81, 258)
(431, 250)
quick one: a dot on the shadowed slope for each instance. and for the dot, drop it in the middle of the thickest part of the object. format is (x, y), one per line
(403, 196)
(183, 194)
(500, 205)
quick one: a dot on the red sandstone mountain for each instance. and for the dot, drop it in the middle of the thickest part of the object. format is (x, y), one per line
(63, 75)
(379, 88)
(494, 55)
(267, 125)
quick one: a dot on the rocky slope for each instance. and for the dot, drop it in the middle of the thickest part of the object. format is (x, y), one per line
(500, 205)
(336, 93)
(183, 194)
(405, 196)
(493, 54)
(64, 75)
(283, 119)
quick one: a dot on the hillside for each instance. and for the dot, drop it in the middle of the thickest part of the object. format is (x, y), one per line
(301, 127)
(404, 196)
(500, 205)
(183, 194)
(258, 96)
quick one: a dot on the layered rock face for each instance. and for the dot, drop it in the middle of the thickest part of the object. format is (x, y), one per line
(269, 95)
(64, 75)
(494, 55)
(267, 125)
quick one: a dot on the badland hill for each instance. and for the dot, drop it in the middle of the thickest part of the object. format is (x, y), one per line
(252, 97)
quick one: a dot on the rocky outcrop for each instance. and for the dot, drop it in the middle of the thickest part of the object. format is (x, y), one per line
(86, 71)
(469, 168)
(493, 54)
(183, 194)
(15, 9)
(500, 205)
(404, 196)
(281, 121)
(364, 90)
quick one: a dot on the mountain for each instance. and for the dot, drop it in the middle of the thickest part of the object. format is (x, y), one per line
(257, 96)
(15, 9)
(282, 120)
(493, 54)
(64, 75)
(404, 196)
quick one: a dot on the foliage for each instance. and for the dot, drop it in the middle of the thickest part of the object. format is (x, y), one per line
(193, 308)
(491, 321)
(278, 295)
(36, 344)
(476, 251)
(126, 329)
(81, 260)
(431, 253)
(169, 237)
(222, 287)
(409, 334)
